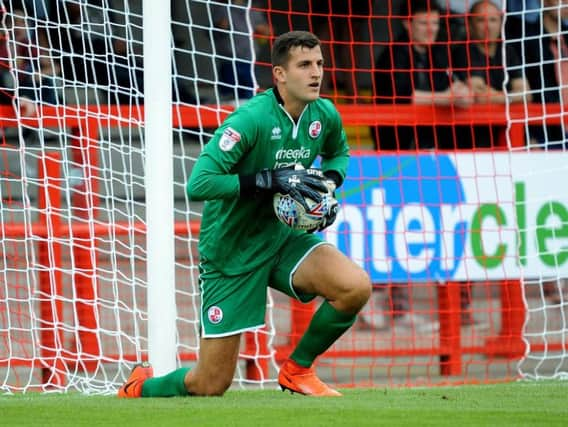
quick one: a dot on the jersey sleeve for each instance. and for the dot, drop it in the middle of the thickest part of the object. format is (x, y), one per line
(215, 174)
(335, 150)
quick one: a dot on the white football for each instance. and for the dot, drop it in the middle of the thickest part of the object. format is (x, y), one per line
(291, 213)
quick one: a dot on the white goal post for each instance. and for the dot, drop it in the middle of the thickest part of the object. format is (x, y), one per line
(159, 182)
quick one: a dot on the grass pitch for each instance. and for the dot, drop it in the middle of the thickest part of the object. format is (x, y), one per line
(514, 404)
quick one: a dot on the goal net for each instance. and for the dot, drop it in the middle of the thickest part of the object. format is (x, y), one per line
(460, 218)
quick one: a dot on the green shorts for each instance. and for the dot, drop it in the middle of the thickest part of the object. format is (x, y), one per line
(235, 304)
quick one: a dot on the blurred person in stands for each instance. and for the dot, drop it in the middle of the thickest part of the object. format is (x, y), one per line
(37, 72)
(234, 26)
(44, 84)
(455, 12)
(481, 64)
(340, 25)
(414, 69)
(126, 77)
(78, 32)
(10, 60)
(528, 10)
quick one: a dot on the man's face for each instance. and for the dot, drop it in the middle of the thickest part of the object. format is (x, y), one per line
(486, 22)
(303, 73)
(424, 27)
(556, 8)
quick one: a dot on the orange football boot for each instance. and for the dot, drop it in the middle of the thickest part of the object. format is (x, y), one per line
(133, 385)
(302, 380)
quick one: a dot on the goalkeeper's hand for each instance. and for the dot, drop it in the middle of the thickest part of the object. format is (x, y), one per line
(298, 183)
(329, 218)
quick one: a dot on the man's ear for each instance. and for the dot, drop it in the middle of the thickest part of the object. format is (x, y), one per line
(279, 73)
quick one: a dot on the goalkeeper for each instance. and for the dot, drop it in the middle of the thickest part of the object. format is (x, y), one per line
(244, 248)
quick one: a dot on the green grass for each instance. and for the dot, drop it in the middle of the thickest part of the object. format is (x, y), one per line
(514, 404)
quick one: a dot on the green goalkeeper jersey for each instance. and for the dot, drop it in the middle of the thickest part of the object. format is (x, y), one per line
(238, 234)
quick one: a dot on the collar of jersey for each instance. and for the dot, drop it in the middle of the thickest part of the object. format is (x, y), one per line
(296, 125)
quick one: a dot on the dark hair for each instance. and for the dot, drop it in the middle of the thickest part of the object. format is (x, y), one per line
(412, 7)
(285, 42)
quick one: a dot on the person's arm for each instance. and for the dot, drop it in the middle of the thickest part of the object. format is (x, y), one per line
(213, 175)
(448, 88)
(520, 90)
(210, 177)
(427, 97)
(457, 94)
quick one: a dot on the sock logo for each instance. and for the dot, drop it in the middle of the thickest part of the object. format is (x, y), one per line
(215, 314)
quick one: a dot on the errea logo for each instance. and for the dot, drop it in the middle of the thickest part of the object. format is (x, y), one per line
(276, 133)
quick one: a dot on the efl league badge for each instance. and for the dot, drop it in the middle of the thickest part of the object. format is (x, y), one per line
(315, 129)
(229, 138)
(215, 314)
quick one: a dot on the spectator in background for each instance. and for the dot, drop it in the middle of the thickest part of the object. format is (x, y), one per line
(77, 30)
(126, 77)
(480, 63)
(340, 25)
(543, 45)
(15, 51)
(456, 12)
(529, 10)
(235, 25)
(36, 73)
(44, 83)
(415, 69)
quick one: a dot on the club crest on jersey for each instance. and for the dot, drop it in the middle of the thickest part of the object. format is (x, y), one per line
(215, 314)
(229, 138)
(315, 129)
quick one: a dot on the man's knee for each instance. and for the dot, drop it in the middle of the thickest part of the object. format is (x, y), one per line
(362, 288)
(359, 292)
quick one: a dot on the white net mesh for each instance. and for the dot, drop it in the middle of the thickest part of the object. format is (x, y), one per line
(73, 248)
(537, 32)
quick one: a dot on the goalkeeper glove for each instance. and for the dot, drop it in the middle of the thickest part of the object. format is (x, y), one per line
(298, 183)
(329, 217)
(333, 180)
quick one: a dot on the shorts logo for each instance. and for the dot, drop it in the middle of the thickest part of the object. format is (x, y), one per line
(215, 314)
(229, 138)
(315, 129)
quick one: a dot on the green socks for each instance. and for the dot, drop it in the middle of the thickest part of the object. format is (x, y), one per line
(172, 384)
(326, 327)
